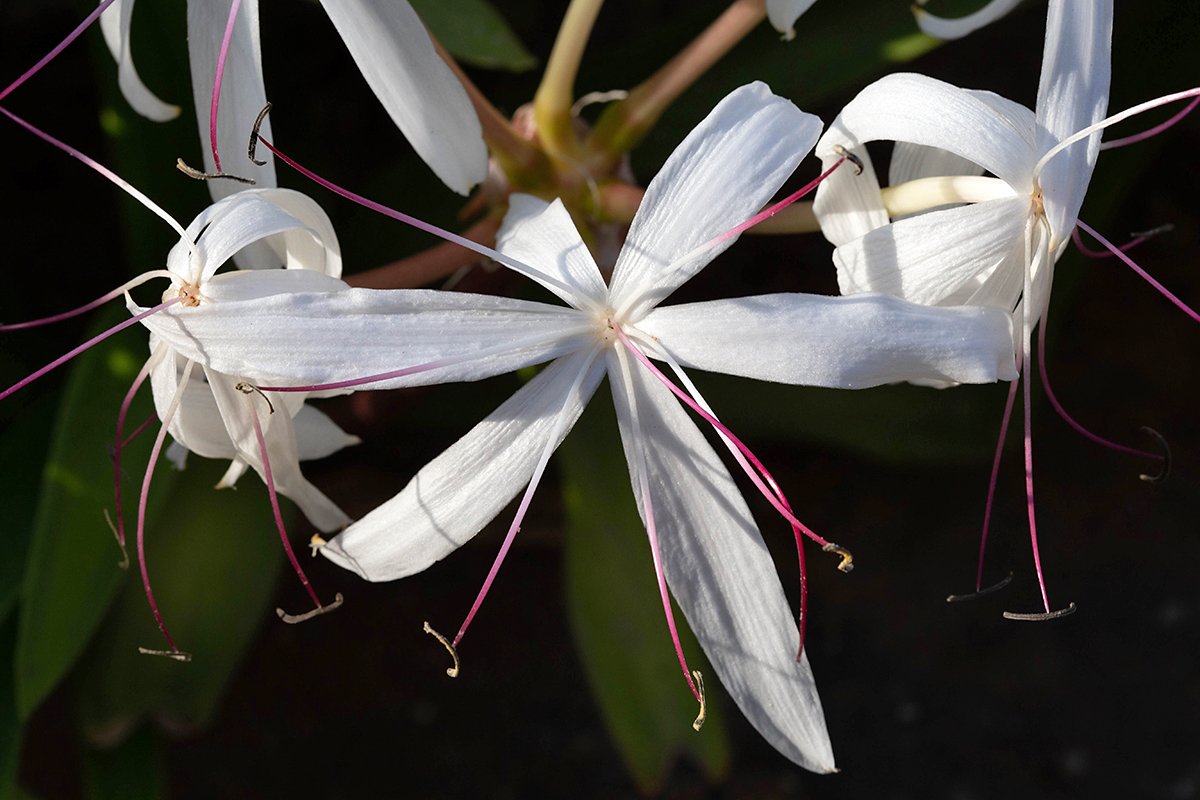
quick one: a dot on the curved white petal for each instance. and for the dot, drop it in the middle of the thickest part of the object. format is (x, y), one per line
(290, 339)
(280, 438)
(840, 342)
(784, 13)
(460, 491)
(544, 236)
(1072, 94)
(722, 174)
(423, 97)
(926, 258)
(114, 24)
(242, 92)
(197, 424)
(913, 108)
(317, 435)
(237, 468)
(912, 161)
(720, 572)
(958, 27)
(849, 204)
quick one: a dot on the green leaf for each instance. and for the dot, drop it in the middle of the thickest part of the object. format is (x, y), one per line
(617, 615)
(473, 31)
(137, 770)
(24, 442)
(72, 574)
(215, 560)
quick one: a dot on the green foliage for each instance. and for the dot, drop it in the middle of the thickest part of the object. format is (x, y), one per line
(475, 33)
(617, 617)
(137, 770)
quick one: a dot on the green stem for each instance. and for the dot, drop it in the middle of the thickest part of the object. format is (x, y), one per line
(554, 97)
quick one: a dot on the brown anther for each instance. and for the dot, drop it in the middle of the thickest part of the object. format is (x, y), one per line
(1041, 617)
(699, 723)
(190, 294)
(453, 671)
(1166, 467)
(249, 388)
(957, 598)
(252, 148)
(853, 159)
(847, 559)
(292, 619)
(208, 176)
(175, 655)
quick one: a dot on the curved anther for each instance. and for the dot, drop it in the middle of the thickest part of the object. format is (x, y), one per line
(453, 671)
(176, 655)
(124, 564)
(1166, 467)
(699, 723)
(292, 619)
(196, 174)
(252, 148)
(956, 598)
(249, 388)
(853, 159)
(1041, 617)
(316, 543)
(847, 559)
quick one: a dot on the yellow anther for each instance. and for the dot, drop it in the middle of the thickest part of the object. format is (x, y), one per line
(453, 671)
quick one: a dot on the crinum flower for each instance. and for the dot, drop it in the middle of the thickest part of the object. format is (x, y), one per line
(705, 545)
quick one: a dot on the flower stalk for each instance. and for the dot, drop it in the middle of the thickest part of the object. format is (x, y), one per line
(556, 93)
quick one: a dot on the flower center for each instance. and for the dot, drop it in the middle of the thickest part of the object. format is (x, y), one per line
(190, 292)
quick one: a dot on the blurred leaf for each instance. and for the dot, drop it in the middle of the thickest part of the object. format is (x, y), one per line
(72, 574)
(24, 442)
(617, 616)
(215, 559)
(10, 725)
(137, 770)
(474, 32)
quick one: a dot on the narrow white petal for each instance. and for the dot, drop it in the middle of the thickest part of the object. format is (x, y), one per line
(242, 92)
(720, 572)
(840, 342)
(317, 435)
(237, 468)
(290, 339)
(722, 174)
(460, 491)
(913, 161)
(544, 236)
(115, 24)
(849, 204)
(913, 108)
(959, 27)
(1072, 94)
(926, 258)
(197, 424)
(784, 13)
(423, 97)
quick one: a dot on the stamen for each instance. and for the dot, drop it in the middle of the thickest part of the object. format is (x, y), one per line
(848, 156)
(316, 543)
(124, 562)
(247, 389)
(58, 362)
(196, 174)
(150, 364)
(1157, 129)
(1138, 239)
(150, 420)
(567, 292)
(703, 715)
(292, 619)
(453, 671)
(115, 293)
(975, 595)
(46, 59)
(847, 560)
(1028, 312)
(220, 74)
(177, 655)
(1040, 617)
(1116, 251)
(991, 495)
(1166, 458)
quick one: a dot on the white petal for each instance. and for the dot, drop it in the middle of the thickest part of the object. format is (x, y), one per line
(1072, 94)
(959, 27)
(913, 161)
(114, 24)
(242, 92)
(294, 339)
(544, 236)
(913, 108)
(237, 468)
(280, 439)
(784, 13)
(247, 285)
(720, 572)
(849, 205)
(197, 424)
(460, 491)
(317, 435)
(423, 97)
(840, 342)
(926, 258)
(177, 454)
(722, 174)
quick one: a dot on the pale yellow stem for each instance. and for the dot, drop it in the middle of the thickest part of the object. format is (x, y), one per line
(925, 193)
(556, 94)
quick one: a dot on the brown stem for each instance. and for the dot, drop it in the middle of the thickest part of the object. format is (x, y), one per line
(431, 265)
(624, 123)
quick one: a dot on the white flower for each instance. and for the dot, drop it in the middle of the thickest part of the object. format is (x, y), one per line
(784, 13)
(389, 44)
(706, 545)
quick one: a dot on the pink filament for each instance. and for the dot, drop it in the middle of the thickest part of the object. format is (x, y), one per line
(140, 429)
(58, 362)
(120, 445)
(46, 59)
(1090, 253)
(16, 326)
(270, 481)
(216, 94)
(1157, 129)
(1116, 251)
(771, 211)
(987, 509)
(1037, 559)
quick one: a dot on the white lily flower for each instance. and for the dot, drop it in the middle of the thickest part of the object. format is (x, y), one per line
(388, 42)
(706, 545)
